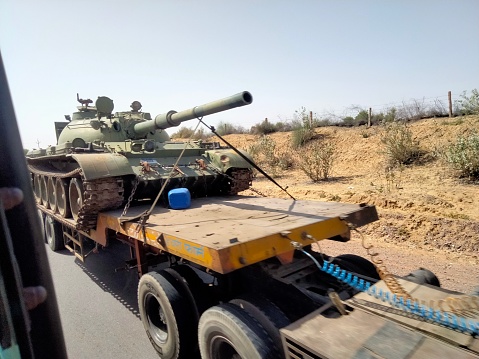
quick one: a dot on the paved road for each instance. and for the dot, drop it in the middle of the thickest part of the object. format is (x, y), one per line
(98, 306)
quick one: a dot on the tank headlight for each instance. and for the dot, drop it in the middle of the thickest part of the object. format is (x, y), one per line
(149, 146)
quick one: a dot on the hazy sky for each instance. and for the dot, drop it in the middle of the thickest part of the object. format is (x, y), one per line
(174, 55)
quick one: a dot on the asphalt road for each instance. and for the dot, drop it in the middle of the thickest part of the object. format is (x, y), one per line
(98, 305)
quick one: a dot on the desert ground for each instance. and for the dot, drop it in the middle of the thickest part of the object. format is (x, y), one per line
(428, 217)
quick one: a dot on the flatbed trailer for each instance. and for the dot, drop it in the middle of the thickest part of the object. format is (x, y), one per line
(222, 277)
(225, 233)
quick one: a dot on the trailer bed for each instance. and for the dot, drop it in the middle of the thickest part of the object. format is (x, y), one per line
(227, 233)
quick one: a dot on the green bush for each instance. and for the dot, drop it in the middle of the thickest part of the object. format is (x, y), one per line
(187, 133)
(463, 156)
(390, 116)
(322, 123)
(225, 128)
(361, 118)
(282, 126)
(399, 146)
(468, 105)
(264, 128)
(183, 132)
(301, 136)
(316, 160)
(347, 122)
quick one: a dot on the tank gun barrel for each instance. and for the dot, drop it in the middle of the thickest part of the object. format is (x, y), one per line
(173, 118)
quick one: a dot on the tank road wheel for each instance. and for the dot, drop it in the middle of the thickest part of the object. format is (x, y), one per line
(75, 194)
(52, 198)
(61, 194)
(44, 191)
(167, 315)
(37, 188)
(268, 315)
(227, 331)
(53, 234)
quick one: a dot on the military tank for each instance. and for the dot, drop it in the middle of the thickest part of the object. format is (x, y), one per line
(105, 160)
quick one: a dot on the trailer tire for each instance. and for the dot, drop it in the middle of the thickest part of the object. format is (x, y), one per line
(196, 289)
(423, 276)
(53, 233)
(268, 315)
(357, 264)
(227, 331)
(166, 316)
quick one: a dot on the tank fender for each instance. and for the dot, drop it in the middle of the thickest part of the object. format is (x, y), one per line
(101, 165)
(227, 158)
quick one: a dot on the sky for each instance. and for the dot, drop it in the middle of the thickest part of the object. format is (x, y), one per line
(325, 56)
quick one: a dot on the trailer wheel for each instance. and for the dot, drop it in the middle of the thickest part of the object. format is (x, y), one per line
(423, 276)
(53, 234)
(268, 315)
(227, 331)
(198, 290)
(166, 315)
(357, 264)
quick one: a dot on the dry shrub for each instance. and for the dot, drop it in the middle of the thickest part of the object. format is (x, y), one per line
(273, 160)
(187, 133)
(399, 146)
(316, 159)
(301, 136)
(463, 156)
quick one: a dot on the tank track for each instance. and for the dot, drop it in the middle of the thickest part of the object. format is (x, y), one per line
(241, 180)
(99, 194)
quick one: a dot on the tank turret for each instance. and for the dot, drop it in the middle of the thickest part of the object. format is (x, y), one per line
(104, 160)
(98, 124)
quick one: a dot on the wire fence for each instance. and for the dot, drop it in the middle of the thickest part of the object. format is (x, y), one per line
(436, 106)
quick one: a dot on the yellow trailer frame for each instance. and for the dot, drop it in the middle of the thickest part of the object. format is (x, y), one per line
(228, 233)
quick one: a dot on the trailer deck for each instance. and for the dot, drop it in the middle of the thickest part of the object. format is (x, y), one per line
(226, 233)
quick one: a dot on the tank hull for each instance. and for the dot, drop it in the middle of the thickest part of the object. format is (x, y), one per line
(89, 182)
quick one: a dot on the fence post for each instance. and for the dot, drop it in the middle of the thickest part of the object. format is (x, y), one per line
(369, 116)
(449, 97)
(310, 119)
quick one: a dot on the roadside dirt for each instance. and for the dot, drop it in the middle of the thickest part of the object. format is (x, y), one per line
(428, 217)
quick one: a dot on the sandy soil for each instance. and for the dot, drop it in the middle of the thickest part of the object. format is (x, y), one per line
(428, 217)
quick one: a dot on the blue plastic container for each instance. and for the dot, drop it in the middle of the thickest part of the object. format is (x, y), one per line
(179, 198)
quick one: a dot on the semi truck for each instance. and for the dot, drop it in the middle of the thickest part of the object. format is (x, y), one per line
(225, 275)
